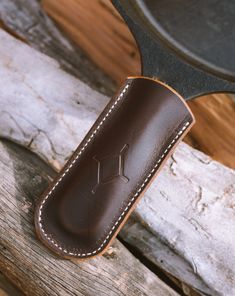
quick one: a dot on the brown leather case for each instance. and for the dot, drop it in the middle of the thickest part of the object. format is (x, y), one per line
(87, 204)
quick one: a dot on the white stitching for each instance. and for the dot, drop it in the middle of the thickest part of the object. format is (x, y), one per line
(73, 162)
(132, 199)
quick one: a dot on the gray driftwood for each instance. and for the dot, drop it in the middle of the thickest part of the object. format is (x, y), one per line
(27, 20)
(185, 222)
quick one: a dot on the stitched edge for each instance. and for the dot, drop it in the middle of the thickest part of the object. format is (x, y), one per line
(71, 165)
(132, 199)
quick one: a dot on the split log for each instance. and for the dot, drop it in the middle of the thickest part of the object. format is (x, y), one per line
(186, 219)
(99, 30)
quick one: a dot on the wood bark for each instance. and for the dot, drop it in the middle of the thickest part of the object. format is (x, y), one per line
(185, 222)
(101, 33)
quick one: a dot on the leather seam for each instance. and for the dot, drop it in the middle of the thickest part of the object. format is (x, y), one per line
(140, 189)
(72, 164)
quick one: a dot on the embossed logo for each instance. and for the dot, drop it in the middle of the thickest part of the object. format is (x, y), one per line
(109, 168)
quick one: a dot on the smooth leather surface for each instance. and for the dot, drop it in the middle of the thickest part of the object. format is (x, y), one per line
(82, 210)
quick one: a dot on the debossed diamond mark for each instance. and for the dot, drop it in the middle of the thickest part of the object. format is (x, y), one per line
(109, 168)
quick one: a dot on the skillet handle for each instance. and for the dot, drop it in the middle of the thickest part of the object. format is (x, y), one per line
(87, 204)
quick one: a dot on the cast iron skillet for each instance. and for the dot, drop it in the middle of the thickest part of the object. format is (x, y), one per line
(190, 45)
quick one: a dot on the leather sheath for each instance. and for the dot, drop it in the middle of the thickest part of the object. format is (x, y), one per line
(89, 201)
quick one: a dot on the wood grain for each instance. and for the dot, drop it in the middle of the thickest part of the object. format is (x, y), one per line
(7, 288)
(214, 132)
(101, 33)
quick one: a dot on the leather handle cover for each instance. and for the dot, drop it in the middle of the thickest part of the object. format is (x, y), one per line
(89, 201)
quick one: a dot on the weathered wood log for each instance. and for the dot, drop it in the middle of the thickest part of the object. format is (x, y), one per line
(26, 20)
(186, 222)
(186, 219)
(29, 264)
(100, 31)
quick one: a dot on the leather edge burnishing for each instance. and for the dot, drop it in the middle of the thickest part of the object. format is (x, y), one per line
(182, 129)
